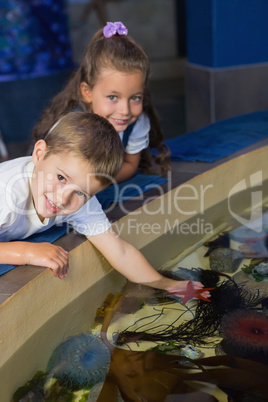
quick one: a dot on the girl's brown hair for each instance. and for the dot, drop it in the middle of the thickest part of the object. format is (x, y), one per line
(121, 53)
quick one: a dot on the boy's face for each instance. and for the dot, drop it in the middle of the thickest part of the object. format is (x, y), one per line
(61, 183)
(117, 96)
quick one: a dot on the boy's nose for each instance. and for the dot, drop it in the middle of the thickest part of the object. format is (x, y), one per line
(64, 197)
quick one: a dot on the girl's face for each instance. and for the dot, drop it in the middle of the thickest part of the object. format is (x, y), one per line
(117, 96)
(61, 183)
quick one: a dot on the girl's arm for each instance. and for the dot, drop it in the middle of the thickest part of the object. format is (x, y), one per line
(42, 254)
(130, 166)
(126, 259)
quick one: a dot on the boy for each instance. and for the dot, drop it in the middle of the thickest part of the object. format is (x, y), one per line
(79, 157)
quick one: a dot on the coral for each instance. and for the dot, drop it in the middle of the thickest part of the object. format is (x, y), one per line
(80, 361)
(245, 333)
(225, 259)
(259, 289)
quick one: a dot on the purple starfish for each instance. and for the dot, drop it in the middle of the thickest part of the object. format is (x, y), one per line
(191, 292)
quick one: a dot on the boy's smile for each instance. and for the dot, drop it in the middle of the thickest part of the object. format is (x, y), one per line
(51, 206)
(117, 96)
(61, 183)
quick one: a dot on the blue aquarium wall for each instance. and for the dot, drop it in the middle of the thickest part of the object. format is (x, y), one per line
(227, 69)
(227, 33)
(35, 61)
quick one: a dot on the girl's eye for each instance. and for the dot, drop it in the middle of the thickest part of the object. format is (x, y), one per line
(80, 194)
(61, 178)
(112, 97)
(137, 98)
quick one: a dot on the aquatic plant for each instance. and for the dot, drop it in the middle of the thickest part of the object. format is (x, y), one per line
(258, 271)
(81, 361)
(43, 388)
(32, 389)
(225, 297)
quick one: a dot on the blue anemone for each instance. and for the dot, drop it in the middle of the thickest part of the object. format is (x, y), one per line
(81, 361)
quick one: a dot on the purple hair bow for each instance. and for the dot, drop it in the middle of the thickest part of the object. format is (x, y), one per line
(112, 28)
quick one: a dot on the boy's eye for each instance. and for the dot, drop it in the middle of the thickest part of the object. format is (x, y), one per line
(80, 194)
(61, 178)
(112, 97)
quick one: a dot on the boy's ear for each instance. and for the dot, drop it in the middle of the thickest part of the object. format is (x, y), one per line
(85, 92)
(39, 151)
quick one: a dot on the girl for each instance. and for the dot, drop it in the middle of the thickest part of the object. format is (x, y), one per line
(111, 81)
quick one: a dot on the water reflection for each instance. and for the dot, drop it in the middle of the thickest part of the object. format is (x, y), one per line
(147, 376)
(152, 377)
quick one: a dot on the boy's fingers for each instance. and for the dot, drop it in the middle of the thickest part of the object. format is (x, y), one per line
(198, 284)
(60, 273)
(57, 261)
(59, 265)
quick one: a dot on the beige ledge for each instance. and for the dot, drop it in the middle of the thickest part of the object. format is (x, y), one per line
(46, 310)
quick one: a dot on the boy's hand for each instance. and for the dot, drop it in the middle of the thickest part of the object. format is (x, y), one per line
(190, 290)
(48, 255)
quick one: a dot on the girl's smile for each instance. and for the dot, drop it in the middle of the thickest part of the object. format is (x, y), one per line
(117, 96)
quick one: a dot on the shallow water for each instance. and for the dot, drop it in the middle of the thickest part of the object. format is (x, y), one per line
(162, 350)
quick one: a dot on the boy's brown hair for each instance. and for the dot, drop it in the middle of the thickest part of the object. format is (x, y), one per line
(91, 137)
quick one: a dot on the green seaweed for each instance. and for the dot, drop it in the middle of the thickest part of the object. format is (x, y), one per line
(37, 382)
(58, 393)
(247, 268)
(44, 389)
(257, 277)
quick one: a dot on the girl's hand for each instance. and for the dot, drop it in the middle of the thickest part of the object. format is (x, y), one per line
(48, 255)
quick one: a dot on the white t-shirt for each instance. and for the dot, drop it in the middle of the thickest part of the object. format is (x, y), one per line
(18, 217)
(139, 137)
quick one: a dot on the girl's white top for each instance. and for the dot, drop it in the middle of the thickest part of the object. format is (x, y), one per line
(139, 137)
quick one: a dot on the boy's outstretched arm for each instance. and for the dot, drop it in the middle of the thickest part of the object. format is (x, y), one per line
(42, 254)
(126, 259)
